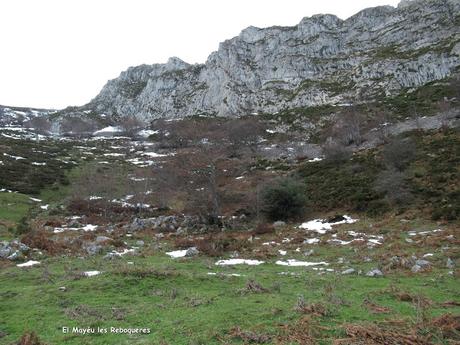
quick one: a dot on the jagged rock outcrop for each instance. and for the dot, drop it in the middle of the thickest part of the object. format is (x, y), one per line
(322, 60)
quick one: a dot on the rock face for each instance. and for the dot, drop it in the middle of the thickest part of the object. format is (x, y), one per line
(322, 60)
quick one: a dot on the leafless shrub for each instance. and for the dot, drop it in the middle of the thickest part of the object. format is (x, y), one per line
(336, 152)
(399, 153)
(243, 133)
(395, 186)
(250, 337)
(41, 125)
(78, 127)
(348, 129)
(252, 287)
(131, 125)
(30, 338)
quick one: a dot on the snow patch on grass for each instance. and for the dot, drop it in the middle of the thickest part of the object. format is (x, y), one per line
(238, 262)
(29, 263)
(295, 263)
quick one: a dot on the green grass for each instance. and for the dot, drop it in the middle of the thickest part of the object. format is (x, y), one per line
(14, 206)
(181, 304)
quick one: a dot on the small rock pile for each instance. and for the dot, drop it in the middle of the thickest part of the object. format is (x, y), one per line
(13, 250)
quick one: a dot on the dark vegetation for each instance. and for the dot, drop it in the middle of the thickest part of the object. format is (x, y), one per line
(283, 199)
(424, 167)
(22, 175)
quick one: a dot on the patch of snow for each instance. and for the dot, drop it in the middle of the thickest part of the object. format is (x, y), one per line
(316, 159)
(374, 241)
(355, 234)
(38, 164)
(89, 227)
(28, 263)
(44, 207)
(147, 132)
(238, 262)
(153, 154)
(321, 226)
(177, 253)
(91, 273)
(137, 179)
(415, 233)
(108, 130)
(295, 263)
(270, 243)
(311, 240)
(35, 199)
(282, 252)
(323, 269)
(124, 252)
(14, 157)
(224, 274)
(113, 154)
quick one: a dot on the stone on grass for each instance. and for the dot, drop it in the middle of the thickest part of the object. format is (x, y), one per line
(450, 263)
(191, 252)
(416, 269)
(375, 273)
(102, 239)
(422, 263)
(349, 271)
(93, 249)
(279, 224)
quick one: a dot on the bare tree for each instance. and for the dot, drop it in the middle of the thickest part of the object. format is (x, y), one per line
(40, 124)
(336, 152)
(131, 125)
(76, 126)
(348, 128)
(243, 133)
(395, 186)
(399, 153)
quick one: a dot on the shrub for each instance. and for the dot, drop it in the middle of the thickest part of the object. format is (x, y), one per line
(399, 153)
(394, 184)
(284, 199)
(336, 152)
(30, 338)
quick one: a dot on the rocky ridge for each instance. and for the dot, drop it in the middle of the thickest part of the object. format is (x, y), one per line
(323, 60)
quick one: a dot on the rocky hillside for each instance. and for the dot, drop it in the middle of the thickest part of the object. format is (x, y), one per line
(323, 60)
(13, 116)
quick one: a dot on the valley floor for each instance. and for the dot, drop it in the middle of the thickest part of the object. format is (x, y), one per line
(102, 233)
(326, 293)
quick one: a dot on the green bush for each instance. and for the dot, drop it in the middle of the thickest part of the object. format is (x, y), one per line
(284, 199)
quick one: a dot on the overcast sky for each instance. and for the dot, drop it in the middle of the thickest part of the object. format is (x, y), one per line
(56, 53)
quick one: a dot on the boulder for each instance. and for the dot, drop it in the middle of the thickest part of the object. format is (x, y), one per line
(93, 248)
(375, 273)
(349, 271)
(191, 252)
(102, 239)
(416, 269)
(279, 224)
(422, 263)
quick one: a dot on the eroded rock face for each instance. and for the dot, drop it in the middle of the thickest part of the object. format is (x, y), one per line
(322, 60)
